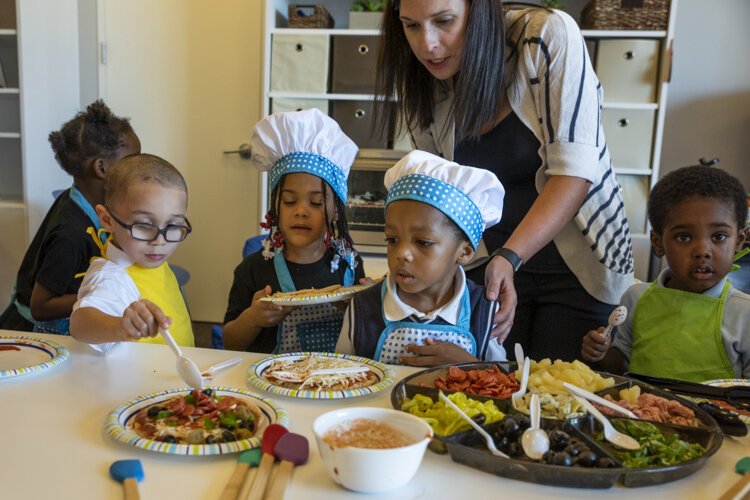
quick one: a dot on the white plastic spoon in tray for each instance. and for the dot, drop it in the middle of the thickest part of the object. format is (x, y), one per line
(611, 434)
(577, 391)
(487, 438)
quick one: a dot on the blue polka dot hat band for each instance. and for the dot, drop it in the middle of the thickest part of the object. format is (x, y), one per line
(443, 196)
(310, 163)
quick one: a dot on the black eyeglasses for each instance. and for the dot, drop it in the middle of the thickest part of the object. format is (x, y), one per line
(144, 231)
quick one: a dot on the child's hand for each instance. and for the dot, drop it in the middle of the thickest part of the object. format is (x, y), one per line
(595, 345)
(434, 353)
(266, 314)
(142, 319)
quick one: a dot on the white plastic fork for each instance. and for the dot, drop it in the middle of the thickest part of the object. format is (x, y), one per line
(487, 438)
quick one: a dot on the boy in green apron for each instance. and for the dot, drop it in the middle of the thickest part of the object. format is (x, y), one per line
(131, 294)
(690, 324)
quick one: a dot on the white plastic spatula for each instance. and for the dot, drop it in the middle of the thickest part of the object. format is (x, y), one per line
(524, 383)
(616, 318)
(185, 366)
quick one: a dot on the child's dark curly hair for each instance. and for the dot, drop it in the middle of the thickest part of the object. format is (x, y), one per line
(339, 228)
(697, 180)
(91, 133)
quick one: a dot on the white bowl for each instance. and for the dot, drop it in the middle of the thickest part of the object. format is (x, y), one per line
(372, 470)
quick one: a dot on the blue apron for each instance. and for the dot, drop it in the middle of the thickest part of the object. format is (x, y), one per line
(60, 326)
(313, 328)
(397, 335)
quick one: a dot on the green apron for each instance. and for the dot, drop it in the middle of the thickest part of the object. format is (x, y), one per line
(677, 334)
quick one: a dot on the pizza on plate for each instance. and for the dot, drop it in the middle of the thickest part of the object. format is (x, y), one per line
(199, 417)
(300, 374)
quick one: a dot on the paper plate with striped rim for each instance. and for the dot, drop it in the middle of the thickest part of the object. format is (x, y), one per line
(22, 355)
(118, 423)
(385, 376)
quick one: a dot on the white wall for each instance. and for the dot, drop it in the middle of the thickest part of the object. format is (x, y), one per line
(708, 106)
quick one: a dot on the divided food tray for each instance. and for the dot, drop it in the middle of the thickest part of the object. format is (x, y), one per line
(469, 449)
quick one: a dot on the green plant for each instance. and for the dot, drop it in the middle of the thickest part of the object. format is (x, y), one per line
(368, 5)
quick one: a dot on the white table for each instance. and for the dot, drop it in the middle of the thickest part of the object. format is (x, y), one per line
(54, 446)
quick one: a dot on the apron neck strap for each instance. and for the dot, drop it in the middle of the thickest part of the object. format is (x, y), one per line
(84, 205)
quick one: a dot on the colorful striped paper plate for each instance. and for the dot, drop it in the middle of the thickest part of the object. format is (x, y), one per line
(117, 424)
(22, 355)
(385, 375)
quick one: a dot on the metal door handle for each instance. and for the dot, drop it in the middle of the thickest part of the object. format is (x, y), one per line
(243, 151)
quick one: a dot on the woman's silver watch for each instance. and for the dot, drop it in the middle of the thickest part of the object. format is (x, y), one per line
(515, 261)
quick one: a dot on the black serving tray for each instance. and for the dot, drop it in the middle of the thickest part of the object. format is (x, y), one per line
(468, 448)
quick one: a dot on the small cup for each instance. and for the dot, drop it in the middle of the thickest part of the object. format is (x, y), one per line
(372, 470)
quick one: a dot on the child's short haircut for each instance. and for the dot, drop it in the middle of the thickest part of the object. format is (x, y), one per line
(697, 180)
(140, 168)
(91, 133)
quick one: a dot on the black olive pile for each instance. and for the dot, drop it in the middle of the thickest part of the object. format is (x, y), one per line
(564, 450)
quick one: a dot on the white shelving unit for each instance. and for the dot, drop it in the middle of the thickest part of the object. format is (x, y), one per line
(39, 57)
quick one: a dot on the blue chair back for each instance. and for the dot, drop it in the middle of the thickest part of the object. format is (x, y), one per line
(217, 337)
(253, 244)
(57, 192)
(183, 276)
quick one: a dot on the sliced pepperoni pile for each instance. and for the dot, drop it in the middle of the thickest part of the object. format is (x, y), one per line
(204, 407)
(489, 382)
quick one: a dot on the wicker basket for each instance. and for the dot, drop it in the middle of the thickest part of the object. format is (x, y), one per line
(309, 16)
(625, 15)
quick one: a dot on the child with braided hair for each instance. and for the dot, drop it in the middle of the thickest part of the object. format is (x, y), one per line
(308, 158)
(50, 275)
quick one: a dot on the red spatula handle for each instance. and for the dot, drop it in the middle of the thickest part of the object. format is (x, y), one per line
(261, 478)
(737, 488)
(280, 481)
(131, 489)
(235, 482)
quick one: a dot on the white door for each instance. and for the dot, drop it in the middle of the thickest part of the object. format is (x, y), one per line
(188, 74)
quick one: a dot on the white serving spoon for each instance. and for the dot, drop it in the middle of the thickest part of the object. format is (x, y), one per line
(577, 391)
(616, 318)
(519, 356)
(610, 433)
(209, 372)
(294, 377)
(524, 382)
(534, 440)
(185, 366)
(487, 438)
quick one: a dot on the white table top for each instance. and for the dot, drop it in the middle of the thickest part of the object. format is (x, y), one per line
(54, 444)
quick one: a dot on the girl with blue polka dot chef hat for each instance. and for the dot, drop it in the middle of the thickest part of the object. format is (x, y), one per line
(426, 312)
(308, 159)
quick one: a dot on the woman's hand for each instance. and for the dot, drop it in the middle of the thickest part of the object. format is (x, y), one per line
(498, 278)
(434, 353)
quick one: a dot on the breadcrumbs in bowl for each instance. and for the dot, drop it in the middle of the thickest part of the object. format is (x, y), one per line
(371, 450)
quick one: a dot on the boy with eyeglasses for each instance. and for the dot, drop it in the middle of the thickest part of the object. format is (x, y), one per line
(131, 293)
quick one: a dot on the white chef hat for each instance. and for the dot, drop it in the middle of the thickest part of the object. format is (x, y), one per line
(470, 197)
(303, 141)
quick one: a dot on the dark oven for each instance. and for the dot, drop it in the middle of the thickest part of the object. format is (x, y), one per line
(365, 207)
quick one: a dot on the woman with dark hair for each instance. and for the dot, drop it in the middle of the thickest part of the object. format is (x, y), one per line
(513, 91)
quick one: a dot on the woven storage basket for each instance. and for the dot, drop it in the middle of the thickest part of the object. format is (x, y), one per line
(625, 15)
(309, 16)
